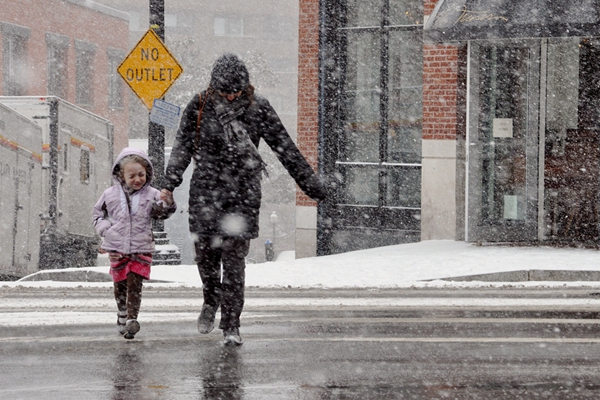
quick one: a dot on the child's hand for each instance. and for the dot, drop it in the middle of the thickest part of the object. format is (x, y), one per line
(167, 197)
(114, 256)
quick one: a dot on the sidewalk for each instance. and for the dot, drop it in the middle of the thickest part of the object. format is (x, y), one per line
(424, 264)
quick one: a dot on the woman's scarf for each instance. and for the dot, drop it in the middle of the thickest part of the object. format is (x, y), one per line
(235, 133)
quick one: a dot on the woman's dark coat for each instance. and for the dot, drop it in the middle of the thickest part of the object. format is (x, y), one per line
(225, 190)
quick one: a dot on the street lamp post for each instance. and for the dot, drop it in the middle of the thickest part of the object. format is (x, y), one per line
(273, 218)
(270, 244)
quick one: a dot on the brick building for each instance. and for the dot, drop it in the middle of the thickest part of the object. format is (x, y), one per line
(455, 119)
(70, 49)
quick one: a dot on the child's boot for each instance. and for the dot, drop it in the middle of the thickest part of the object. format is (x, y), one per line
(121, 321)
(132, 327)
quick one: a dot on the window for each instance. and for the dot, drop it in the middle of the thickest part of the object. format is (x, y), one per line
(66, 157)
(58, 51)
(15, 63)
(230, 25)
(84, 166)
(84, 71)
(181, 22)
(115, 82)
(373, 114)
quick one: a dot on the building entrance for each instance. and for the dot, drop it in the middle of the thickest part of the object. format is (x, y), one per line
(571, 174)
(533, 145)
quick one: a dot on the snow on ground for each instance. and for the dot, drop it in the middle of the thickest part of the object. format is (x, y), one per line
(409, 265)
(406, 265)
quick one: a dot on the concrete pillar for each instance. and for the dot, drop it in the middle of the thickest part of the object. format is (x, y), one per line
(306, 231)
(438, 190)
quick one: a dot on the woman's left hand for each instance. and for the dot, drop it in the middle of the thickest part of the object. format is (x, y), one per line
(167, 197)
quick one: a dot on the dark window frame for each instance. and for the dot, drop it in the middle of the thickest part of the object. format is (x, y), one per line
(234, 25)
(116, 87)
(66, 157)
(15, 54)
(85, 169)
(385, 223)
(84, 75)
(58, 64)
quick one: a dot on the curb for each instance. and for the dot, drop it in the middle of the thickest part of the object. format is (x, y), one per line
(74, 276)
(529, 275)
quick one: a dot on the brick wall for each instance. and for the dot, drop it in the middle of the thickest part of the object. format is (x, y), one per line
(440, 91)
(77, 23)
(428, 6)
(308, 87)
(440, 87)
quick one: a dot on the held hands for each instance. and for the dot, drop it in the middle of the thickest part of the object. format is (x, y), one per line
(167, 197)
(164, 207)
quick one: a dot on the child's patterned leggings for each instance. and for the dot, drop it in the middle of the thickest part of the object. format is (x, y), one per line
(128, 294)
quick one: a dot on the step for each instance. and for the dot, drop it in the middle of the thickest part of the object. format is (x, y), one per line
(165, 253)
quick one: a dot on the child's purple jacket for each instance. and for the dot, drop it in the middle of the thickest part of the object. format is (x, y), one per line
(123, 231)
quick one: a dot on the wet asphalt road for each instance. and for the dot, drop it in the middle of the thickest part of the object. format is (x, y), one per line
(421, 344)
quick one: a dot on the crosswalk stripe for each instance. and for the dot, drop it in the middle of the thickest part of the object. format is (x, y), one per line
(260, 339)
(196, 303)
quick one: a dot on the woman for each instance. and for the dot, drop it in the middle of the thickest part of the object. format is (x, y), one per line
(221, 129)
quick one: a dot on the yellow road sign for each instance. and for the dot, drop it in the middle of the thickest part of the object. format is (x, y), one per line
(150, 69)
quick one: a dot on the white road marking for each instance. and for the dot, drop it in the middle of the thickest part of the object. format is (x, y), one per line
(16, 312)
(259, 339)
(67, 317)
(170, 303)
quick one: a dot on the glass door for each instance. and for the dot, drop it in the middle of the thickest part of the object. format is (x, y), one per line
(371, 124)
(503, 141)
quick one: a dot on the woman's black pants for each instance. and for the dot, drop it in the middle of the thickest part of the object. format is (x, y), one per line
(226, 289)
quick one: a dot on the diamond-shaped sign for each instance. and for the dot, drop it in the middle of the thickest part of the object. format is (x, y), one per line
(150, 69)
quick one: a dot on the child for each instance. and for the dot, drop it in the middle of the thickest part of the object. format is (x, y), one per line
(123, 218)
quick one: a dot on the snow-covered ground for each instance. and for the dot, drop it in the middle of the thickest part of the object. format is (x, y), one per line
(417, 265)
(420, 264)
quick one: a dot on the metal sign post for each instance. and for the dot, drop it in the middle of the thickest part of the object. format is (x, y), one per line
(150, 70)
(156, 132)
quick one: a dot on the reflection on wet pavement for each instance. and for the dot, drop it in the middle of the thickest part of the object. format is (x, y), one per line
(220, 370)
(126, 375)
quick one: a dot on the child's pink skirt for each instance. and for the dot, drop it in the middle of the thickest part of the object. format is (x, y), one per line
(122, 264)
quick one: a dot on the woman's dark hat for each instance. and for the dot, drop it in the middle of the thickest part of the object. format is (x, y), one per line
(229, 74)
